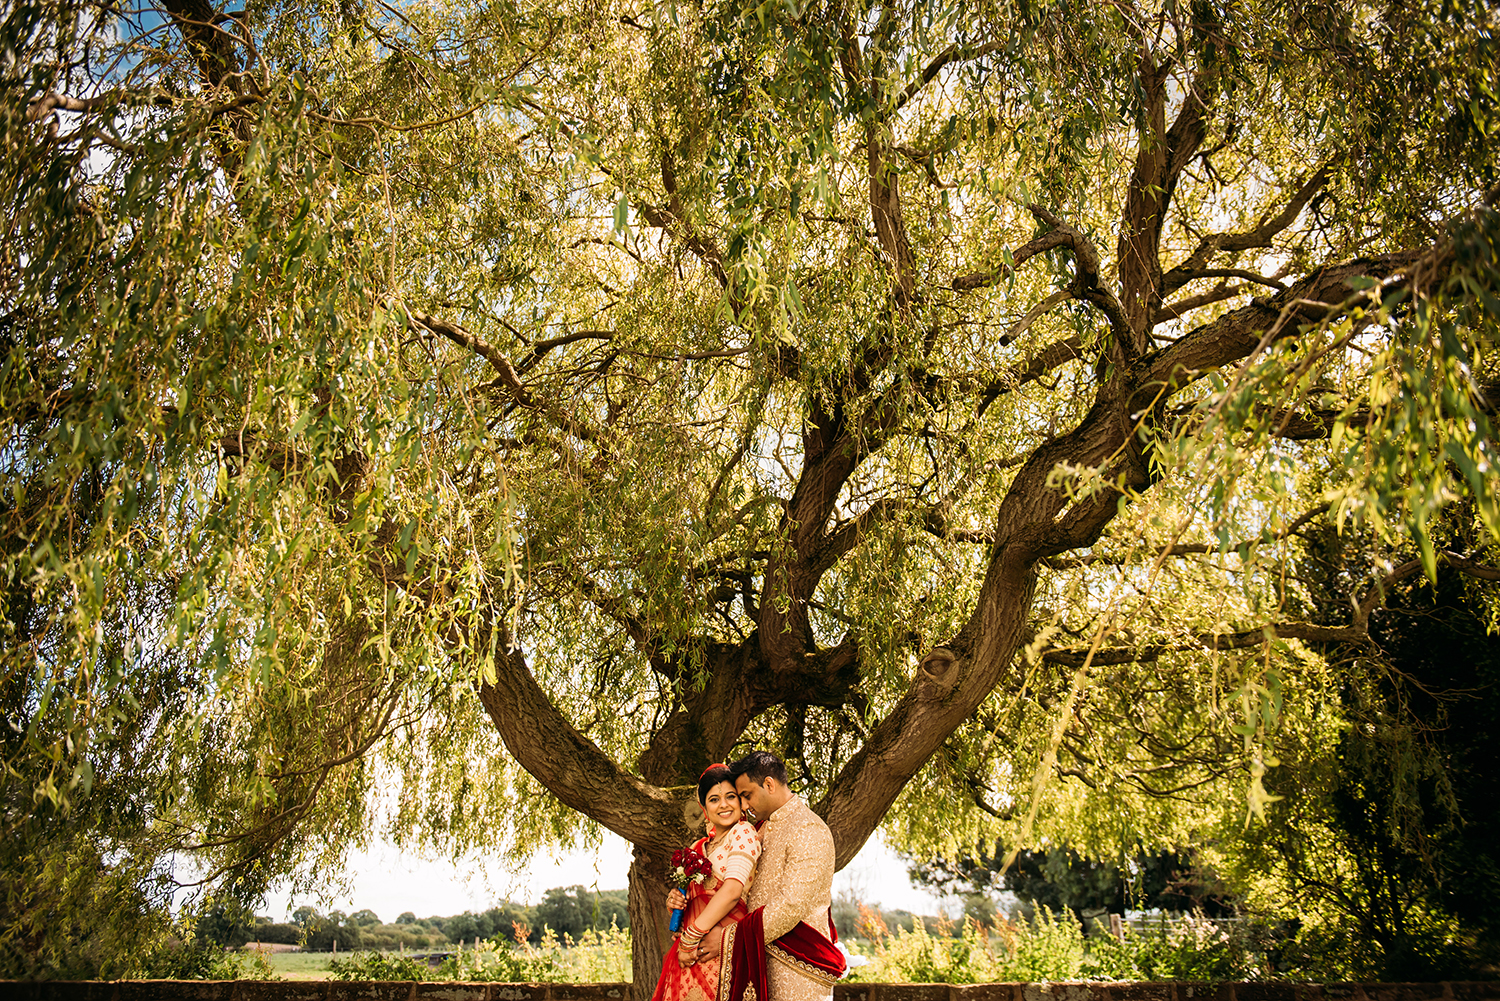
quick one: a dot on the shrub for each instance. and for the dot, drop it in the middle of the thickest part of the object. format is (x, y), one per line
(1193, 948)
(977, 955)
(1049, 947)
(917, 957)
(379, 966)
(204, 961)
(499, 961)
(600, 956)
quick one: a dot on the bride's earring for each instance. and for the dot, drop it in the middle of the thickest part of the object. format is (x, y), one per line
(709, 823)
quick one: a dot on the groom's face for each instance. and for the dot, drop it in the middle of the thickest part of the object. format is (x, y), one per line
(753, 797)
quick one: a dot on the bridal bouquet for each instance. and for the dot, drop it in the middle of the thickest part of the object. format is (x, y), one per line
(688, 866)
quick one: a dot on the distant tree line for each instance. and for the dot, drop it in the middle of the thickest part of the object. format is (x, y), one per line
(566, 911)
(570, 911)
(1062, 879)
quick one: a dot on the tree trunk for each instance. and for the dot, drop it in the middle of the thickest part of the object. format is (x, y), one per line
(648, 921)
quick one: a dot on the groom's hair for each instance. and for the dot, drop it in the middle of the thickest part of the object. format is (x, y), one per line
(757, 766)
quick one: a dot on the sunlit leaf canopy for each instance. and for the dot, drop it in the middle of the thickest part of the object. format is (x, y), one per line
(713, 365)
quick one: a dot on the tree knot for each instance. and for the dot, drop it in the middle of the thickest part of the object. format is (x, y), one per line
(938, 670)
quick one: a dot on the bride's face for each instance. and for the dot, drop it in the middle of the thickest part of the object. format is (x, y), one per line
(722, 804)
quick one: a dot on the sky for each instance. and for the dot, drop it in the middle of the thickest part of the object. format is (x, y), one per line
(390, 882)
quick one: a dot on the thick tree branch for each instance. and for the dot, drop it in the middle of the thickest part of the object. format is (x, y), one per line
(674, 220)
(1465, 565)
(885, 212)
(216, 54)
(1146, 199)
(540, 348)
(1086, 282)
(935, 522)
(1033, 314)
(1022, 254)
(863, 71)
(700, 248)
(844, 538)
(1205, 642)
(213, 48)
(479, 346)
(570, 766)
(1234, 335)
(1243, 273)
(41, 107)
(977, 788)
(1161, 156)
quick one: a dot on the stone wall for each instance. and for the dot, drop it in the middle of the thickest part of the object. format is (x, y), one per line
(329, 990)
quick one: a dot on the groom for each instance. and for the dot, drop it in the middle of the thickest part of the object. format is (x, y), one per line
(787, 942)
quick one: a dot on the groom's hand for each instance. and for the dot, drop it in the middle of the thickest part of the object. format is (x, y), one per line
(712, 944)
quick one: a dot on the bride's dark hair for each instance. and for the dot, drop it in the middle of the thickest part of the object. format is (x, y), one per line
(712, 776)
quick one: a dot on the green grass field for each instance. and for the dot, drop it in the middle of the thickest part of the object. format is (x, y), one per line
(301, 965)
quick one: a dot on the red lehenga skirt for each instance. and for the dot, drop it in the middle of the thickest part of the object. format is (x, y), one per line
(699, 982)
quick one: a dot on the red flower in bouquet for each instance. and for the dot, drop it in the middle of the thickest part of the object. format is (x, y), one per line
(689, 866)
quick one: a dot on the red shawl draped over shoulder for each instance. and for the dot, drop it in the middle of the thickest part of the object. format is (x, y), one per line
(802, 948)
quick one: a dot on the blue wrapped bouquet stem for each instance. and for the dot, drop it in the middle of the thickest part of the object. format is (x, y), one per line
(687, 866)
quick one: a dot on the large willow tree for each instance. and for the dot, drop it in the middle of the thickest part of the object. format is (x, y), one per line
(931, 392)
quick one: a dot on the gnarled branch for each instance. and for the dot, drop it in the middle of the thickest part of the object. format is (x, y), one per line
(570, 765)
(1253, 239)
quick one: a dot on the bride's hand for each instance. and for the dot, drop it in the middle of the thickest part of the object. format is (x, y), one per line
(685, 955)
(676, 901)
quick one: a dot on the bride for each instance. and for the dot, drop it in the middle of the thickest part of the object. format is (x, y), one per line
(731, 847)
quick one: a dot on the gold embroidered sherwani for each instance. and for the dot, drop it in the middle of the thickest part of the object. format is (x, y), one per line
(794, 882)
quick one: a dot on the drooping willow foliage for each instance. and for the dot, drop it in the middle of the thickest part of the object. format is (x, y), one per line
(464, 422)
